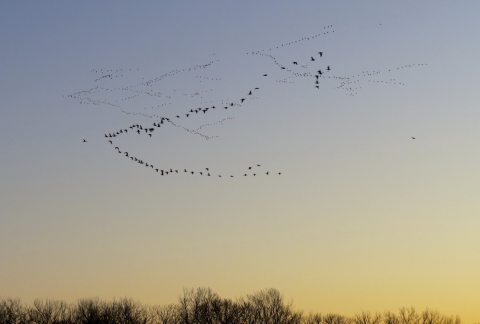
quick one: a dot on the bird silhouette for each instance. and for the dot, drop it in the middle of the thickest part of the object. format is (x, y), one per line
(84, 141)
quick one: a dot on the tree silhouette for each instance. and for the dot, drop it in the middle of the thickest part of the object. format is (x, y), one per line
(200, 306)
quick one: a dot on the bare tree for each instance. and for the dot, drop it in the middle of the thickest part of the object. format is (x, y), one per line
(267, 307)
(408, 316)
(92, 311)
(50, 312)
(390, 318)
(367, 318)
(312, 319)
(200, 306)
(128, 311)
(12, 311)
(226, 312)
(335, 319)
(434, 317)
(167, 314)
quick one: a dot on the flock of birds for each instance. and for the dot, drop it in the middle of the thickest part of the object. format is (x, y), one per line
(151, 121)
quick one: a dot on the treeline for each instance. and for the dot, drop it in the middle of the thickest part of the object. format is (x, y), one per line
(201, 306)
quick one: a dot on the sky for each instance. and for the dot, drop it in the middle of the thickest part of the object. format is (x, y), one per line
(362, 217)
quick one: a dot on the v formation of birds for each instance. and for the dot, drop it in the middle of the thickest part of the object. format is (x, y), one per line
(149, 123)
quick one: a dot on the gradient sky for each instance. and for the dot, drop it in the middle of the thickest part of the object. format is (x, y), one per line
(362, 217)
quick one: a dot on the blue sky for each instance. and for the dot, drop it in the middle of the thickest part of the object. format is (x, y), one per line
(360, 208)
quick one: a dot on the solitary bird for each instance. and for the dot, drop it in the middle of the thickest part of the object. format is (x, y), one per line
(321, 53)
(295, 63)
(312, 59)
(84, 141)
(413, 137)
